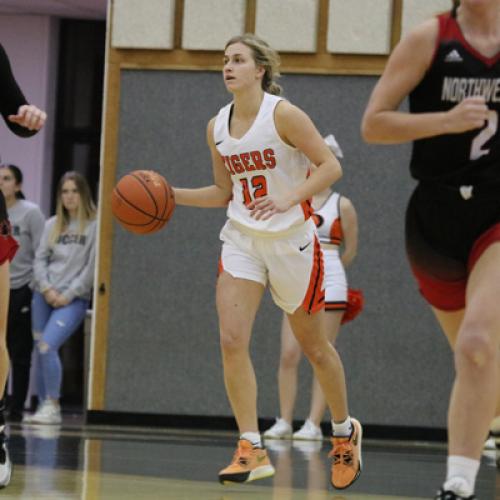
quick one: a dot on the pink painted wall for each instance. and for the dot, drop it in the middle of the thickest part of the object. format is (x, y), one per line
(31, 43)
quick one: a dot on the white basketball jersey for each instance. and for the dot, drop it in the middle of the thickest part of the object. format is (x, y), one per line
(260, 164)
(327, 219)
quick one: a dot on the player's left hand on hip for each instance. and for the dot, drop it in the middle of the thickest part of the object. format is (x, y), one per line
(29, 116)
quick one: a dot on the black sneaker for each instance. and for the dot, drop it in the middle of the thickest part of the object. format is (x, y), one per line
(5, 463)
(450, 495)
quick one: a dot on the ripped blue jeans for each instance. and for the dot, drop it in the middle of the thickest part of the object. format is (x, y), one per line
(51, 328)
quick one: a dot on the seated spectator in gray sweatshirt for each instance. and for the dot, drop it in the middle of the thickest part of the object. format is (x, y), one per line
(64, 273)
(27, 222)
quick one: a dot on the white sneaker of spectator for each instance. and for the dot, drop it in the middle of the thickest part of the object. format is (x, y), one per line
(280, 430)
(29, 416)
(48, 413)
(308, 432)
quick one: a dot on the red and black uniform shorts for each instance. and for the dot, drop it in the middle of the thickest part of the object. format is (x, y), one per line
(8, 245)
(447, 231)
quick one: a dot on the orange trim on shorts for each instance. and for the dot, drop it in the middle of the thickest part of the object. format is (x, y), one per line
(220, 267)
(315, 295)
(335, 306)
(336, 232)
(307, 209)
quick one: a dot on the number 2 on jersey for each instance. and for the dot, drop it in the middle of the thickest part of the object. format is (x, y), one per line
(484, 136)
(259, 185)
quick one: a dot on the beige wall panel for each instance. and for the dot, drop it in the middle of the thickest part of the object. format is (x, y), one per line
(289, 26)
(416, 11)
(209, 24)
(350, 32)
(143, 24)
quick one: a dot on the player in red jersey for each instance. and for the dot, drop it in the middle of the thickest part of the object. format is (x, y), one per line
(24, 120)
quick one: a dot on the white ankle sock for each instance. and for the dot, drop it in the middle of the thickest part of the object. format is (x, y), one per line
(461, 475)
(342, 429)
(253, 437)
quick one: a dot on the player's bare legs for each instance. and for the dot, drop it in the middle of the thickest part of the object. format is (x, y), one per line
(291, 354)
(5, 462)
(237, 304)
(4, 307)
(476, 359)
(290, 357)
(318, 401)
(309, 329)
(450, 322)
(476, 363)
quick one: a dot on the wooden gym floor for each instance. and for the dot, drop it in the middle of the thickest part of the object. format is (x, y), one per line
(95, 462)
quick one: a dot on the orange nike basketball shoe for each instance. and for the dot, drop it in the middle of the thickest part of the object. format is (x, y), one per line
(346, 455)
(248, 464)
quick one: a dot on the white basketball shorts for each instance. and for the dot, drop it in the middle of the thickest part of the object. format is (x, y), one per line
(290, 262)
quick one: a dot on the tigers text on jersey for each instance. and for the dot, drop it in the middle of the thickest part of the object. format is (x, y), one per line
(260, 164)
(458, 71)
(327, 220)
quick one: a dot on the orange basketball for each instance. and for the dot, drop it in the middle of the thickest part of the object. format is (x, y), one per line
(142, 201)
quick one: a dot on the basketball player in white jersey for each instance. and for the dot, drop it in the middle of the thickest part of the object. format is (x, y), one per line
(337, 225)
(261, 147)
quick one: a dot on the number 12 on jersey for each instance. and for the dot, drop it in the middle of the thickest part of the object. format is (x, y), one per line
(256, 188)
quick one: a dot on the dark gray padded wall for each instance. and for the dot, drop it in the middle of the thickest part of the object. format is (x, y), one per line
(163, 338)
